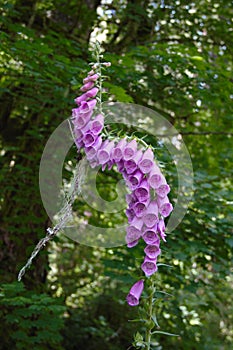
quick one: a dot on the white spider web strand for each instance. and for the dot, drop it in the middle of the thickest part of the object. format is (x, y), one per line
(63, 215)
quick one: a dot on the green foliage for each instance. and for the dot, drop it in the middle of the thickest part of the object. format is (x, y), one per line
(30, 320)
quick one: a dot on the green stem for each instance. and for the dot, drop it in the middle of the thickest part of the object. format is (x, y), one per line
(150, 314)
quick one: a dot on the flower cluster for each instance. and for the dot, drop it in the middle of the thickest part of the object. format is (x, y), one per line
(148, 203)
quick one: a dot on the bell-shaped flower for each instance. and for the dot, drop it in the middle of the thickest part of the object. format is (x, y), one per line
(163, 190)
(135, 179)
(86, 107)
(130, 150)
(147, 161)
(92, 77)
(150, 236)
(149, 266)
(97, 124)
(87, 86)
(104, 152)
(132, 164)
(134, 231)
(161, 229)
(152, 251)
(135, 293)
(133, 243)
(165, 207)
(155, 177)
(150, 218)
(92, 150)
(140, 208)
(117, 152)
(143, 191)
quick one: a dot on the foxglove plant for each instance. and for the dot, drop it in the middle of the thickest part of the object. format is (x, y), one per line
(147, 203)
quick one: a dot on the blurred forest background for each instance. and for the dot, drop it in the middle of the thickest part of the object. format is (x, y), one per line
(174, 57)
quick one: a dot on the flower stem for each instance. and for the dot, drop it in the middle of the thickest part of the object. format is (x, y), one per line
(150, 314)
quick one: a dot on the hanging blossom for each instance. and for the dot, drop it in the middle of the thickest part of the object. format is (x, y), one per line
(148, 203)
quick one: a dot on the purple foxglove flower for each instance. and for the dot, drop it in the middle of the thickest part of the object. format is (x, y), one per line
(130, 199)
(130, 214)
(86, 107)
(165, 207)
(150, 218)
(75, 112)
(161, 229)
(87, 86)
(89, 94)
(117, 152)
(104, 152)
(135, 179)
(82, 119)
(152, 251)
(130, 150)
(140, 208)
(79, 143)
(92, 150)
(120, 166)
(78, 133)
(89, 139)
(134, 231)
(135, 293)
(92, 77)
(143, 191)
(97, 124)
(149, 266)
(147, 161)
(150, 237)
(163, 190)
(92, 93)
(155, 177)
(131, 164)
(80, 99)
(132, 244)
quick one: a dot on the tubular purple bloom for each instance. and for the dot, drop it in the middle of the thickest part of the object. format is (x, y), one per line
(92, 77)
(104, 152)
(163, 190)
(161, 229)
(150, 237)
(86, 107)
(134, 231)
(89, 139)
(135, 179)
(135, 293)
(97, 124)
(130, 214)
(165, 207)
(150, 217)
(143, 192)
(117, 152)
(132, 164)
(149, 266)
(92, 93)
(147, 162)
(120, 166)
(130, 150)
(140, 208)
(92, 150)
(132, 244)
(82, 119)
(87, 86)
(152, 251)
(156, 178)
